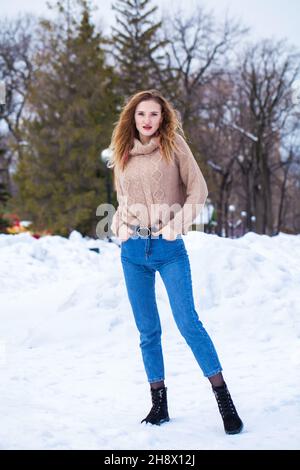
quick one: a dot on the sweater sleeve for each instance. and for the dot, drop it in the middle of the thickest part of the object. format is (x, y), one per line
(196, 187)
(118, 225)
(116, 220)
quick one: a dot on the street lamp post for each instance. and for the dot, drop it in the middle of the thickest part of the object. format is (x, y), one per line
(2, 96)
(253, 220)
(244, 219)
(105, 156)
(231, 209)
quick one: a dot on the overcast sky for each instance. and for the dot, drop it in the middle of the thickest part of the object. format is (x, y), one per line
(267, 18)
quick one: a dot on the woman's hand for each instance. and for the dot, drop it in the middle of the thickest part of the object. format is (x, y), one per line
(167, 233)
(124, 233)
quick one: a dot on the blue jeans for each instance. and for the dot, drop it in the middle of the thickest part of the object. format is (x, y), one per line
(141, 258)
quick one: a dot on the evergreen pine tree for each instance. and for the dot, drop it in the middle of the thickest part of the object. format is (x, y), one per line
(137, 48)
(73, 106)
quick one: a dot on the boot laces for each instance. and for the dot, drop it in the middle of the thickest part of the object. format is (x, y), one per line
(157, 398)
(225, 403)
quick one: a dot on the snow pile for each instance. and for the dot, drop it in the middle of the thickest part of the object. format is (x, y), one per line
(72, 376)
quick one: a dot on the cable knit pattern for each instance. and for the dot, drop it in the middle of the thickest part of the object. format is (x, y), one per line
(149, 186)
(134, 186)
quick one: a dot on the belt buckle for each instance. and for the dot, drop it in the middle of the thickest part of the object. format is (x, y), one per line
(143, 232)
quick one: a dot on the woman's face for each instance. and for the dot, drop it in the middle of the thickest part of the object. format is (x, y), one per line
(148, 118)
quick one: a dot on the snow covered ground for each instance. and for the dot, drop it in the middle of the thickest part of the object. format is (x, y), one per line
(71, 371)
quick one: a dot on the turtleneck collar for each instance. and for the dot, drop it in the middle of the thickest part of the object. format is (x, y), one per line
(144, 149)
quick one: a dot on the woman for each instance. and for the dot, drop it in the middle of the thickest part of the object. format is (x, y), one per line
(160, 191)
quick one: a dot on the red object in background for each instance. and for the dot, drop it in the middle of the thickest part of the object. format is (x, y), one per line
(14, 220)
(36, 235)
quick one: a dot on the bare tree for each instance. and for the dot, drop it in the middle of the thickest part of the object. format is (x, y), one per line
(286, 176)
(16, 45)
(267, 73)
(196, 55)
(222, 144)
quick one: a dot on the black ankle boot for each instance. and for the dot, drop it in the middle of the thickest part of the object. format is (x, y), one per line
(159, 411)
(232, 422)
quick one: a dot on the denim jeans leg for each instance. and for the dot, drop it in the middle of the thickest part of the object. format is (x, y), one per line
(176, 275)
(140, 284)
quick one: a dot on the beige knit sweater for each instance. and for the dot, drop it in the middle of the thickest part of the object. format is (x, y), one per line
(153, 192)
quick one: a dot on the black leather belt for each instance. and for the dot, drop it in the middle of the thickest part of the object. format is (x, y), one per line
(144, 231)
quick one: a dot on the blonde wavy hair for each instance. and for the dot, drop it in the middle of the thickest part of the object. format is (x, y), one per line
(125, 130)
